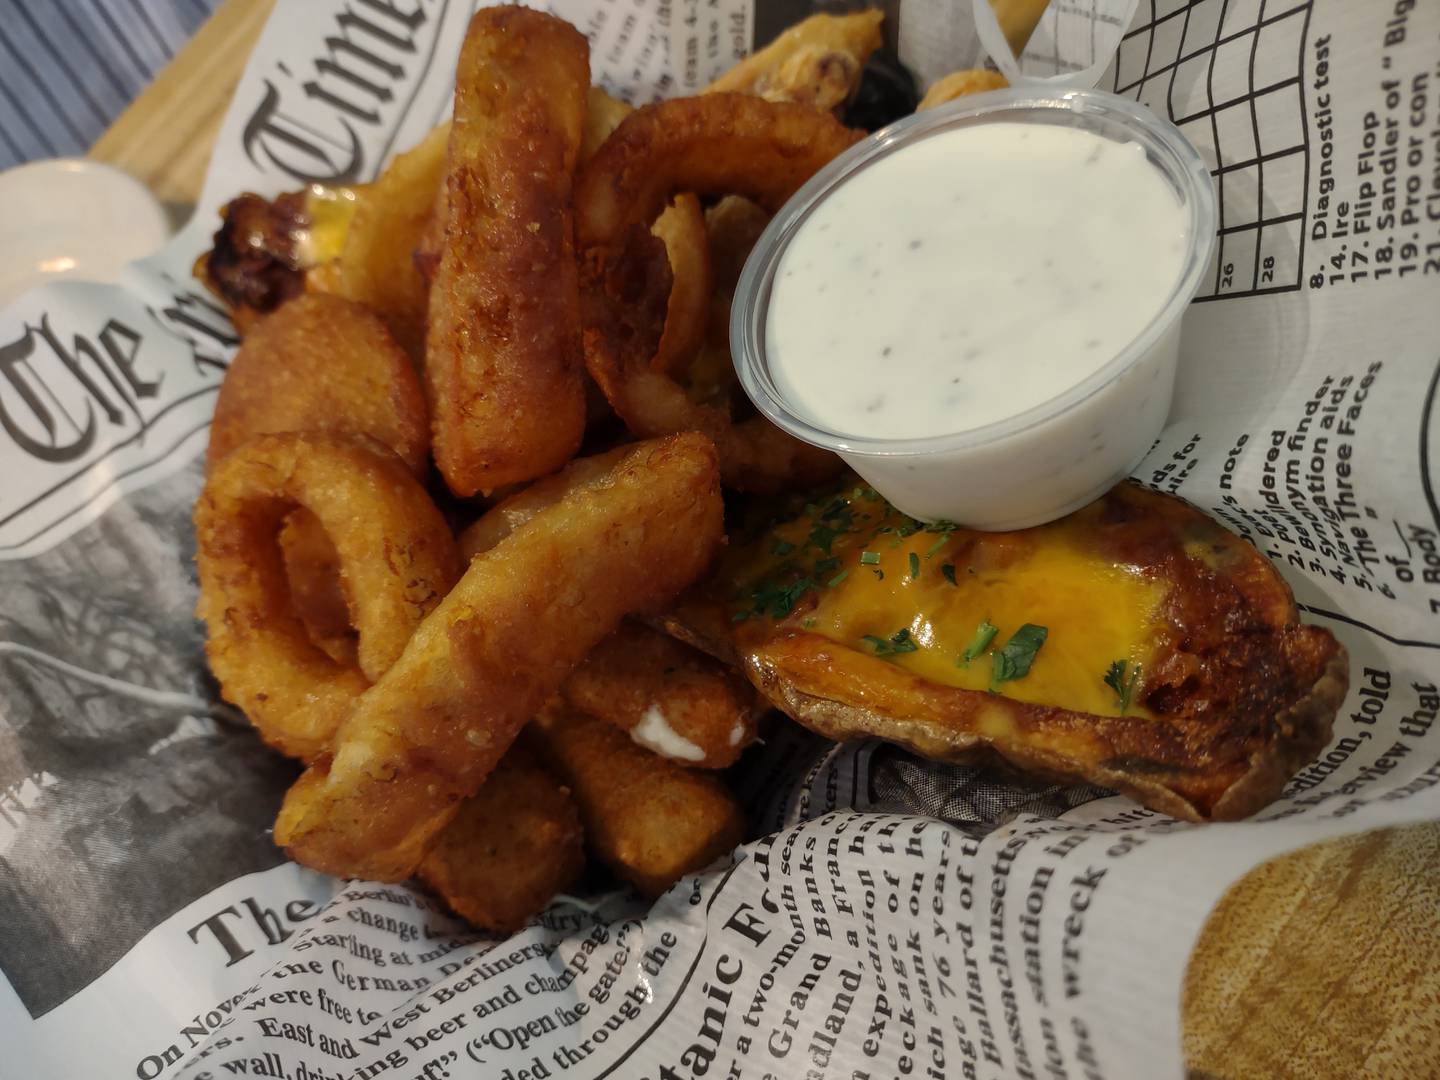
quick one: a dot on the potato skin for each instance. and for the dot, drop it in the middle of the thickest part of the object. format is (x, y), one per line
(1237, 693)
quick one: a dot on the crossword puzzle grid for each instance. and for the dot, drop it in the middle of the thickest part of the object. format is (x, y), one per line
(1227, 74)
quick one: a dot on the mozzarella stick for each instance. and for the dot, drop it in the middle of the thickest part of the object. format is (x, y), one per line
(525, 613)
(668, 697)
(514, 844)
(647, 818)
(503, 354)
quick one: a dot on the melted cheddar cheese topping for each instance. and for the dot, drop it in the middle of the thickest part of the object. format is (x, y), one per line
(329, 210)
(859, 573)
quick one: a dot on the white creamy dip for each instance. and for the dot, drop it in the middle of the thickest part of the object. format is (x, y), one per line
(969, 276)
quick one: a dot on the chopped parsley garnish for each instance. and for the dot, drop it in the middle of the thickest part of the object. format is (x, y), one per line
(898, 642)
(774, 599)
(836, 520)
(841, 576)
(808, 624)
(914, 566)
(826, 566)
(1014, 660)
(781, 548)
(822, 536)
(937, 545)
(1124, 688)
(984, 634)
(949, 571)
(909, 528)
(879, 575)
(869, 558)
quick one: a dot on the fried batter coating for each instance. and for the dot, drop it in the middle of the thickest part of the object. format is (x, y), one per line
(1018, 19)
(525, 613)
(733, 225)
(681, 228)
(321, 363)
(603, 114)
(718, 144)
(317, 593)
(514, 844)
(816, 62)
(395, 551)
(648, 819)
(714, 145)
(502, 363)
(960, 83)
(668, 697)
(375, 267)
(509, 514)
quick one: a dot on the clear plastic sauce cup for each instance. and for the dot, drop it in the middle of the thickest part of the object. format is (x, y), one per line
(1074, 443)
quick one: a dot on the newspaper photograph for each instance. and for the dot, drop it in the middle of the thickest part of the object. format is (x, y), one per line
(885, 915)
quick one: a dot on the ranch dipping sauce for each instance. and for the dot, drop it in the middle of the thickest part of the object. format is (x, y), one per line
(970, 277)
(979, 307)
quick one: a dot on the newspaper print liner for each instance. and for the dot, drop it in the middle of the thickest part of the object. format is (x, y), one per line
(892, 915)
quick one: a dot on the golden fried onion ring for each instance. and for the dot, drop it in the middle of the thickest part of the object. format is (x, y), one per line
(396, 554)
(322, 363)
(714, 145)
(681, 228)
(430, 730)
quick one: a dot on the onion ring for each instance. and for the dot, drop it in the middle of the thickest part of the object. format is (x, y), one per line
(714, 145)
(317, 592)
(395, 552)
(388, 219)
(503, 356)
(681, 227)
(328, 364)
(322, 363)
(430, 730)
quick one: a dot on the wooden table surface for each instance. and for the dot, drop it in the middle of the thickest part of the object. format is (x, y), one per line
(1321, 965)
